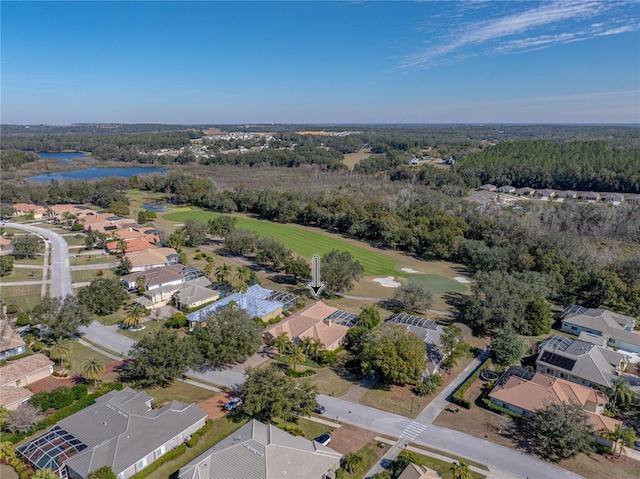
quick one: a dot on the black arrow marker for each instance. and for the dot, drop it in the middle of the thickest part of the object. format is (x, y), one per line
(315, 286)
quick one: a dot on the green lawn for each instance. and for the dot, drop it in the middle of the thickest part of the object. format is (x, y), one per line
(440, 284)
(75, 240)
(442, 467)
(80, 354)
(310, 429)
(80, 260)
(24, 296)
(303, 241)
(88, 275)
(23, 274)
(371, 454)
(180, 391)
(149, 327)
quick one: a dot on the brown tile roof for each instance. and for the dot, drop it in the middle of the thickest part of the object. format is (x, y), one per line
(150, 257)
(135, 244)
(26, 207)
(62, 209)
(10, 339)
(15, 370)
(309, 323)
(542, 390)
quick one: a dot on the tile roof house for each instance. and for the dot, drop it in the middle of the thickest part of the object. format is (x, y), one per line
(105, 222)
(120, 430)
(58, 211)
(256, 302)
(567, 194)
(195, 293)
(614, 198)
(413, 471)
(506, 189)
(154, 278)
(488, 187)
(315, 322)
(11, 344)
(23, 209)
(545, 194)
(580, 362)
(152, 258)
(528, 392)
(526, 191)
(618, 329)
(15, 375)
(6, 246)
(589, 195)
(134, 244)
(261, 451)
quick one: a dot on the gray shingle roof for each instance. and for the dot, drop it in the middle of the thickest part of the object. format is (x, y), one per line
(121, 428)
(261, 451)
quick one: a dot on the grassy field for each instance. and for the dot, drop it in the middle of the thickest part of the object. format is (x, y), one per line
(24, 296)
(302, 241)
(80, 354)
(439, 284)
(87, 275)
(75, 240)
(179, 391)
(23, 274)
(352, 159)
(80, 260)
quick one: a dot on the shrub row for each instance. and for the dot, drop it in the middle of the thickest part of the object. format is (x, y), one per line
(195, 437)
(59, 397)
(499, 409)
(458, 396)
(155, 465)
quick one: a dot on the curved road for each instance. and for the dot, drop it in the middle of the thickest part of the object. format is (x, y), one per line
(503, 462)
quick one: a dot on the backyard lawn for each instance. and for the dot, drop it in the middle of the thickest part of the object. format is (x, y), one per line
(180, 391)
(24, 296)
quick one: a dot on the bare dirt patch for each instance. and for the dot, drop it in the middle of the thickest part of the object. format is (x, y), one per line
(349, 438)
(213, 406)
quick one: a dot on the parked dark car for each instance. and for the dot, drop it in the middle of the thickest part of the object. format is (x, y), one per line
(234, 403)
(319, 409)
(323, 439)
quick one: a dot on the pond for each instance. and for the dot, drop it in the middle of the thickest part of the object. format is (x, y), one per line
(155, 207)
(93, 173)
(63, 156)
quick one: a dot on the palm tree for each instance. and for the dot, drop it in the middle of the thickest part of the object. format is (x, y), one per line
(352, 461)
(315, 347)
(242, 289)
(306, 345)
(295, 355)
(140, 282)
(281, 341)
(176, 239)
(621, 392)
(93, 368)
(620, 436)
(223, 272)
(242, 274)
(135, 313)
(60, 349)
(208, 268)
(460, 470)
(233, 305)
(122, 246)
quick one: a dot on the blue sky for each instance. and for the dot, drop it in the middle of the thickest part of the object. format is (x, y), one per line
(321, 62)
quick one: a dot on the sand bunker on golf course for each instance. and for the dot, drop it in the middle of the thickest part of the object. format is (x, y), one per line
(462, 279)
(387, 282)
(409, 270)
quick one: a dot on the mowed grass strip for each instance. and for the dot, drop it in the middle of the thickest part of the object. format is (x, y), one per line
(302, 241)
(440, 284)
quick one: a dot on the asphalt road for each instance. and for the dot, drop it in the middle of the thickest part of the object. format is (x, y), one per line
(503, 462)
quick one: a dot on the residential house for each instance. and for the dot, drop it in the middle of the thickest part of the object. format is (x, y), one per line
(545, 194)
(58, 211)
(24, 209)
(506, 189)
(589, 196)
(132, 245)
(428, 331)
(6, 246)
(105, 222)
(524, 392)
(315, 322)
(618, 329)
(121, 430)
(195, 293)
(15, 375)
(11, 344)
(152, 258)
(567, 194)
(488, 187)
(258, 450)
(614, 198)
(155, 278)
(257, 302)
(580, 362)
(632, 198)
(127, 234)
(413, 471)
(526, 191)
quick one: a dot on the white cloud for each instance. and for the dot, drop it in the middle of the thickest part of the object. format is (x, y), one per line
(565, 16)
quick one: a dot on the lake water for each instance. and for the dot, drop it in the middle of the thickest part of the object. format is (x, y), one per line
(65, 157)
(93, 173)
